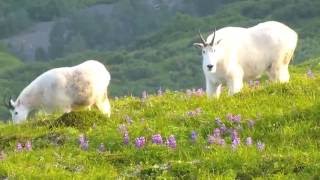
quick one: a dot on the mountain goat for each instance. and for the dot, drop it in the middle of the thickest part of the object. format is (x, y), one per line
(64, 89)
(234, 54)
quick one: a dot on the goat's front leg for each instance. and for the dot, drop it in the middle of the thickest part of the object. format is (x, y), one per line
(213, 88)
(235, 85)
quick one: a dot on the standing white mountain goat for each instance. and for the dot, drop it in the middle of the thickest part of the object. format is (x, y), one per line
(232, 55)
(64, 89)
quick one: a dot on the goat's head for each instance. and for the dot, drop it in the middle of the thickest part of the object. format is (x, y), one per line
(17, 109)
(209, 54)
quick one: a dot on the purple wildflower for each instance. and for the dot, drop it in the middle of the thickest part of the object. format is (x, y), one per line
(234, 118)
(194, 136)
(310, 73)
(191, 113)
(229, 116)
(128, 119)
(237, 118)
(157, 139)
(211, 139)
(85, 145)
(171, 142)
(83, 142)
(195, 92)
(236, 141)
(221, 142)
(102, 148)
(216, 133)
(194, 113)
(234, 134)
(223, 128)
(126, 138)
(256, 83)
(28, 146)
(260, 146)
(82, 139)
(122, 128)
(235, 138)
(251, 123)
(249, 141)
(19, 147)
(199, 92)
(221, 125)
(215, 138)
(140, 142)
(234, 145)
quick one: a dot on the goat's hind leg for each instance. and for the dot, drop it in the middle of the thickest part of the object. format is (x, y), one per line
(279, 73)
(104, 107)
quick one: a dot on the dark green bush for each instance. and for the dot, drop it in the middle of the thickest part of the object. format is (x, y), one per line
(81, 120)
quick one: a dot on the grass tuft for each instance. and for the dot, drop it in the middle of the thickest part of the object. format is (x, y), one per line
(81, 120)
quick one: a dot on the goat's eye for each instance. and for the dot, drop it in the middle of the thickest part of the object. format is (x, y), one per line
(16, 113)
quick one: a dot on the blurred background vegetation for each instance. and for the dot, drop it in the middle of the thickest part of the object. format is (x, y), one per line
(145, 44)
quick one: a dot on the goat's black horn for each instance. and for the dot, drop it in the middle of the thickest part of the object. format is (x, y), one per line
(201, 37)
(214, 35)
(7, 103)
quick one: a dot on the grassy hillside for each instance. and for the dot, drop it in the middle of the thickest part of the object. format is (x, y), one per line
(285, 116)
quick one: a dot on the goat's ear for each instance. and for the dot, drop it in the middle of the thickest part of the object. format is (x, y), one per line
(219, 41)
(12, 103)
(198, 45)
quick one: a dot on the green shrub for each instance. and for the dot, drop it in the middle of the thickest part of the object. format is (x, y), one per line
(81, 120)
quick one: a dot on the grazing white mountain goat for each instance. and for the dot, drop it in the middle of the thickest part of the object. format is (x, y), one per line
(64, 89)
(235, 54)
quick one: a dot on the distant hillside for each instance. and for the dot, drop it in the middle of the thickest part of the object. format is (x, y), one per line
(39, 33)
(63, 28)
(16, 16)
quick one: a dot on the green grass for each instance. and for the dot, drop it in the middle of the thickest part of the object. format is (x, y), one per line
(287, 121)
(8, 61)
